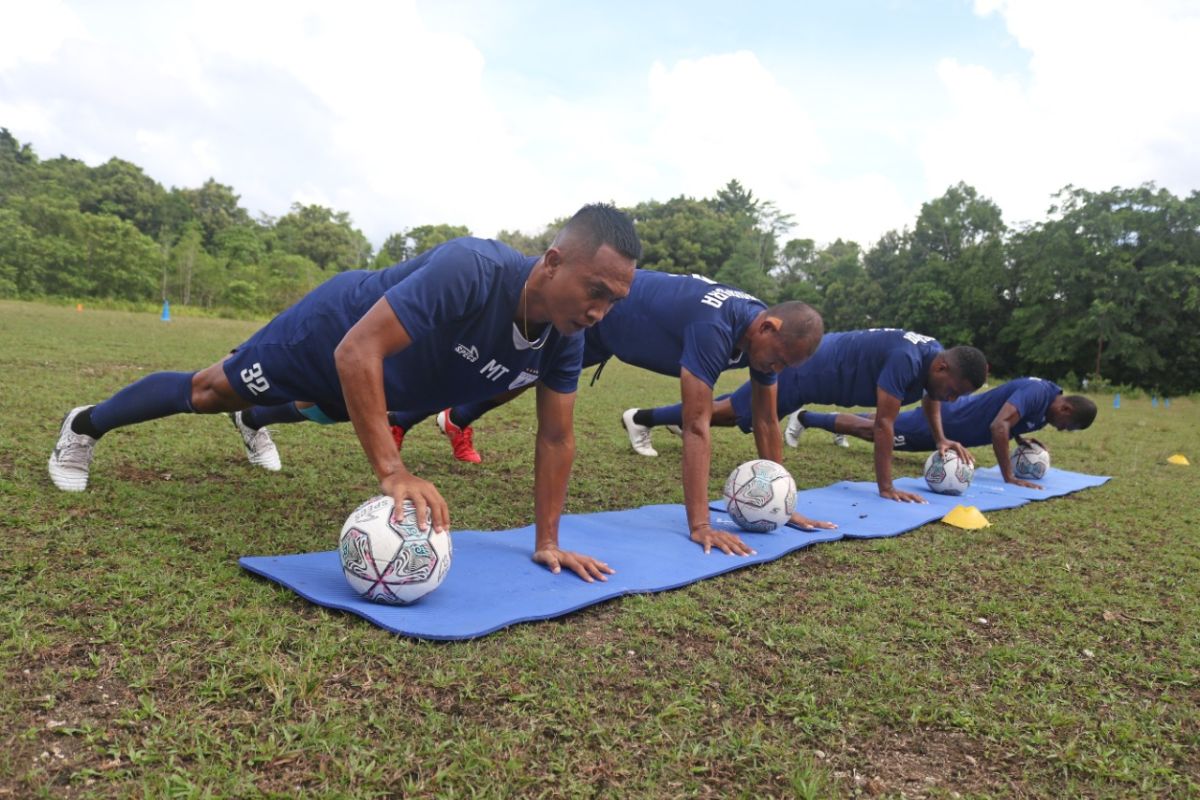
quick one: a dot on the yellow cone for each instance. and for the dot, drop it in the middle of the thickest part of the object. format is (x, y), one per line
(968, 517)
(1180, 459)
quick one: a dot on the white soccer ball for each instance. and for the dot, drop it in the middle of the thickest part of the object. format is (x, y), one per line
(386, 558)
(1031, 461)
(760, 496)
(948, 474)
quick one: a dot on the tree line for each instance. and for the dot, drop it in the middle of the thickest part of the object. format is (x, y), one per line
(1106, 287)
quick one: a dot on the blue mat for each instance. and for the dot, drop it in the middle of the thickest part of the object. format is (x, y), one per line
(493, 583)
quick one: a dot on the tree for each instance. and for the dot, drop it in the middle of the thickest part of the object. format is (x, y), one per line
(325, 237)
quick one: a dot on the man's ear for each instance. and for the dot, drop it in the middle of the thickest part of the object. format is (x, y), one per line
(771, 325)
(552, 260)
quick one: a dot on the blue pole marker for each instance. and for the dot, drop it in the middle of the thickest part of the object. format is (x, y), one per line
(1154, 401)
(1117, 400)
(166, 315)
(1166, 402)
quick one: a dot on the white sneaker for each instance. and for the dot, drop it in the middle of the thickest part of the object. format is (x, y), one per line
(791, 433)
(840, 440)
(639, 435)
(259, 447)
(72, 457)
(675, 429)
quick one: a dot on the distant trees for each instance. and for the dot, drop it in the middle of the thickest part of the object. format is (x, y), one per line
(1107, 286)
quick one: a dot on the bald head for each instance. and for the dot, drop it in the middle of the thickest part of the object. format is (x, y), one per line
(798, 321)
(785, 335)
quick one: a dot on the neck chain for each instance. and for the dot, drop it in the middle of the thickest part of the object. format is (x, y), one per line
(525, 318)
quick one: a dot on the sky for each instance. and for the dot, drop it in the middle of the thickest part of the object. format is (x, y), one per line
(508, 114)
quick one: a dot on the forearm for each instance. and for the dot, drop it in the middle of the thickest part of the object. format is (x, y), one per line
(1000, 437)
(768, 439)
(553, 459)
(361, 377)
(933, 416)
(884, 431)
(697, 459)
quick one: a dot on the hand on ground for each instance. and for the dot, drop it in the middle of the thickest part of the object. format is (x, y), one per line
(586, 567)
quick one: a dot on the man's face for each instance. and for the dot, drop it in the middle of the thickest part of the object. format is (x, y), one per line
(584, 289)
(946, 385)
(1060, 415)
(768, 351)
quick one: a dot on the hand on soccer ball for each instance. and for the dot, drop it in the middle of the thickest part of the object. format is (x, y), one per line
(959, 450)
(585, 567)
(422, 494)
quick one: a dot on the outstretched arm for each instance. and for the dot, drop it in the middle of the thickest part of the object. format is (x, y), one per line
(359, 359)
(553, 457)
(697, 461)
(765, 421)
(886, 409)
(933, 415)
(1001, 430)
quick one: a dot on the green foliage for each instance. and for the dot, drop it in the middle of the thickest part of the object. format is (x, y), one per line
(1107, 287)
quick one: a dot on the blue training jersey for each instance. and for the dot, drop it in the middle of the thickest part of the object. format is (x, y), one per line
(671, 321)
(849, 366)
(968, 420)
(457, 302)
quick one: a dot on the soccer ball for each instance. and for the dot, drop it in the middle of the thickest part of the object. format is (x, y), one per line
(948, 474)
(760, 496)
(386, 558)
(1031, 461)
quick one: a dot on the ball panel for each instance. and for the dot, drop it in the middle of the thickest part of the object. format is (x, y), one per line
(760, 496)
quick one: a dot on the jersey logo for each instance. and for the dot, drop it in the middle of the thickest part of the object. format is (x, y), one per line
(493, 371)
(469, 353)
(526, 377)
(256, 384)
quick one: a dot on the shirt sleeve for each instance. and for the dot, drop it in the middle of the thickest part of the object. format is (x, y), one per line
(561, 372)
(453, 285)
(706, 351)
(901, 370)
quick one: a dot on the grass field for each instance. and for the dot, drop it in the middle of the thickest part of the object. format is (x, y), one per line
(1054, 654)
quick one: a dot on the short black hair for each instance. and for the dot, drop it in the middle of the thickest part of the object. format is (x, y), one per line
(1083, 411)
(800, 320)
(599, 224)
(969, 362)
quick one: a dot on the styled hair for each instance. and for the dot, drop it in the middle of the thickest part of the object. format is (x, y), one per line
(599, 224)
(969, 363)
(800, 321)
(1083, 411)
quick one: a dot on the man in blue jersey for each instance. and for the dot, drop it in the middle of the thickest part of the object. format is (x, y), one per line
(1021, 406)
(457, 323)
(884, 367)
(692, 328)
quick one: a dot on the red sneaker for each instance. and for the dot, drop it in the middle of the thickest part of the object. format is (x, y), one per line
(460, 438)
(398, 436)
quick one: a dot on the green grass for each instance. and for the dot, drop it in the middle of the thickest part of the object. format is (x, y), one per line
(138, 659)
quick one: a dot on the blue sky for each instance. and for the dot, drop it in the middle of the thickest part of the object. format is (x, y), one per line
(848, 115)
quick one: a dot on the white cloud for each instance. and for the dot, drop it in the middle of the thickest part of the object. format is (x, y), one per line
(1108, 101)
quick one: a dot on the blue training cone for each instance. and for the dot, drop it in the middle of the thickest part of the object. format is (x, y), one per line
(166, 315)
(1117, 400)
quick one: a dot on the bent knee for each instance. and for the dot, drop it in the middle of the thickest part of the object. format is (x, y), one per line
(212, 392)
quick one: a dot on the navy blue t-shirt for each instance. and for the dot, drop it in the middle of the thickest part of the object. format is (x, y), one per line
(847, 368)
(968, 420)
(457, 302)
(671, 321)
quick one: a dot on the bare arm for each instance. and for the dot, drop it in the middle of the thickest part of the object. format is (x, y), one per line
(886, 409)
(1001, 429)
(697, 461)
(765, 416)
(554, 454)
(933, 415)
(359, 359)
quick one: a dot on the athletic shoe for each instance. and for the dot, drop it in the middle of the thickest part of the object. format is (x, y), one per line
(460, 438)
(840, 440)
(675, 429)
(72, 456)
(791, 433)
(260, 450)
(639, 435)
(398, 436)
